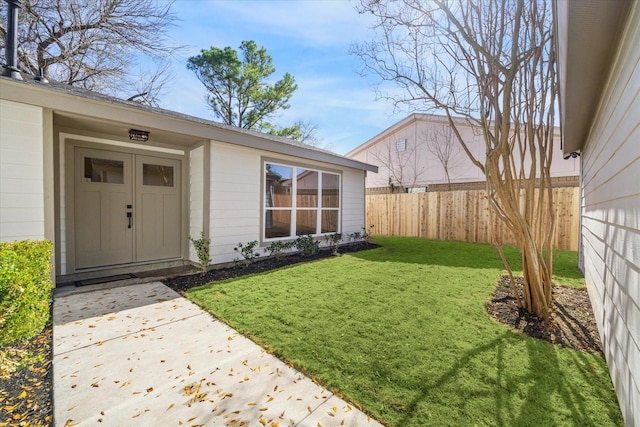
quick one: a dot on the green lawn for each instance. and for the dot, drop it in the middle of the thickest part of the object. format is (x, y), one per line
(402, 332)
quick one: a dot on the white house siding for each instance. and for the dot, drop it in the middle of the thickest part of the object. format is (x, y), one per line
(353, 201)
(234, 209)
(21, 172)
(196, 196)
(236, 190)
(611, 220)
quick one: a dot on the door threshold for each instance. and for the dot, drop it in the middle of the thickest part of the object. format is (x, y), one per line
(159, 270)
(106, 279)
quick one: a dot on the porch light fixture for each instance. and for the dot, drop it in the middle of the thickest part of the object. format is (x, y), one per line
(138, 135)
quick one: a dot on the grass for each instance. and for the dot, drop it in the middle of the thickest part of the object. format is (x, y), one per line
(402, 332)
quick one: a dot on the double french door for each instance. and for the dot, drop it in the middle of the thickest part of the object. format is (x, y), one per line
(127, 208)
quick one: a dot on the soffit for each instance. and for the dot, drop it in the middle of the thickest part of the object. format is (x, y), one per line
(120, 130)
(587, 34)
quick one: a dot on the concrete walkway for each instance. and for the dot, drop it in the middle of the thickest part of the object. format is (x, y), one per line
(142, 355)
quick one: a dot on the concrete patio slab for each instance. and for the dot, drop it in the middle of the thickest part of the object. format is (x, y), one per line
(144, 355)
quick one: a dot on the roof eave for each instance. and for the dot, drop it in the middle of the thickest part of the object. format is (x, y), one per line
(587, 33)
(118, 110)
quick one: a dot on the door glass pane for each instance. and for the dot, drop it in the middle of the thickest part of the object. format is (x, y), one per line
(330, 190)
(306, 222)
(307, 189)
(157, 175)
(278, 182)
(103, 170)
(329, 221)
(277, 223)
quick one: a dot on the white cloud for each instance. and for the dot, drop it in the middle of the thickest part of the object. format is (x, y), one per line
(310, 40)
(311, 23)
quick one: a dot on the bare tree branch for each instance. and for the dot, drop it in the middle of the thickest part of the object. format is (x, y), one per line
(441, 142)
(491, 63)
(399, 158)
(96, 45)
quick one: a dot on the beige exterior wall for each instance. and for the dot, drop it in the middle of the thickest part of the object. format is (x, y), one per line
(611, 220)
(418, 166)
(236, 194)
(22, 198)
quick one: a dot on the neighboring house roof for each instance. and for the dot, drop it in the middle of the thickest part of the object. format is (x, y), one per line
(75, 104)
(589, 30)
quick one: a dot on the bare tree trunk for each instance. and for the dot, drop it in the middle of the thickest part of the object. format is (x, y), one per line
(491, 63)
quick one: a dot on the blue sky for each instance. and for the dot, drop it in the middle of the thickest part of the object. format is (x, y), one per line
(308, 39)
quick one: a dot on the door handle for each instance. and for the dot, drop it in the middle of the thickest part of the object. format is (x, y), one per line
(129, 216)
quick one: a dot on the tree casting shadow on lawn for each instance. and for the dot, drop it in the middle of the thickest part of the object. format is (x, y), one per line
(544, 376)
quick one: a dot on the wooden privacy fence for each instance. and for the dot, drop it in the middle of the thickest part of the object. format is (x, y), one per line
(463, 215)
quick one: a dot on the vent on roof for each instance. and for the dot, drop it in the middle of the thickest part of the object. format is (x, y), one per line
(11, 45)
(401, 145)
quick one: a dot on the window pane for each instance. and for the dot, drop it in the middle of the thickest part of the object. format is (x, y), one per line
(278, 182)
(103, 170)
(277, 223)
(307, 189)
(329, 221)
(330, 190)
(306, 222)
(157, 175)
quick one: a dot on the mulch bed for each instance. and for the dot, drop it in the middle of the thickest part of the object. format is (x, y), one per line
(186, 282)
(572, 323)
(26, 395)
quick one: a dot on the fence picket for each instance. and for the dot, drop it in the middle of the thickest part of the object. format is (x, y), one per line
(463, 215)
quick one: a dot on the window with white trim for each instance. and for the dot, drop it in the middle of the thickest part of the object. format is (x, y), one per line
(299, 200)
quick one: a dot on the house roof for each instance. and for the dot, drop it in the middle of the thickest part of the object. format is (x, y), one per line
(75, 107)
(587, 33)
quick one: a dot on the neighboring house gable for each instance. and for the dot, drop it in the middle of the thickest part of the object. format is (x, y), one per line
(421, 152)
(599, 63)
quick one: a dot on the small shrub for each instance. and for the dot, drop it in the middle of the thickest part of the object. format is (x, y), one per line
(367, 233)
(278, 248)
(364, 234)
(25, 289)
(332, 242)
(307, 245)
(248, 251)
(202, 250)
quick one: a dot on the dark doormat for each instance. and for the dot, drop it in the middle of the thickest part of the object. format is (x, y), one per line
(104, 279)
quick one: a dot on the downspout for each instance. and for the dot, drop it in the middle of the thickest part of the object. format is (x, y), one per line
(11, 47)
